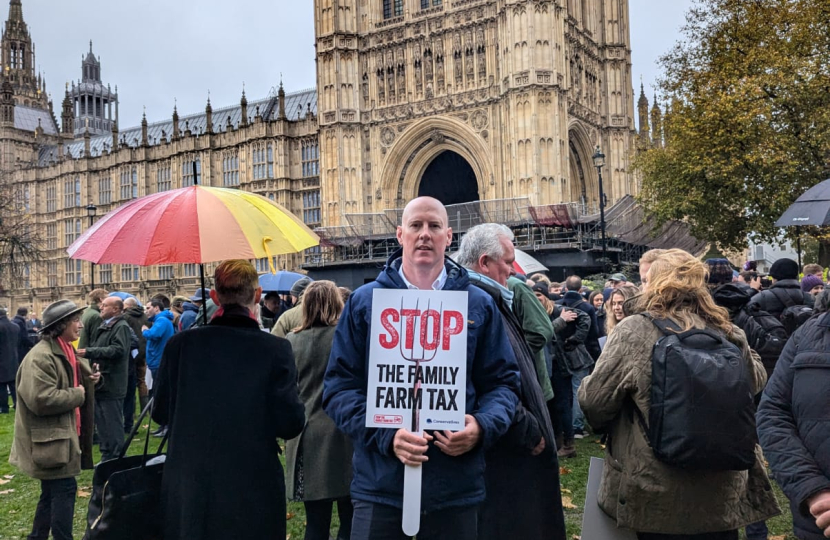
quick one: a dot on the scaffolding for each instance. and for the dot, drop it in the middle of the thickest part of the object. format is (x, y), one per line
(371, 238)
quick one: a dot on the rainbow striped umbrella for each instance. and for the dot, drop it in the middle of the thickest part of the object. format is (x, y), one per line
(196, 224)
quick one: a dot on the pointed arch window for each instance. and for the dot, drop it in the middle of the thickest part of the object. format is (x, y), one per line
(392, 8)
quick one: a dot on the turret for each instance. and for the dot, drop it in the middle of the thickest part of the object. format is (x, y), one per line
(67, 116)
(642, 109)
(656, 124)
(281, 95)
(208, 116)
(244, 104)
(144, 141)
(7, 102)
(176, 133)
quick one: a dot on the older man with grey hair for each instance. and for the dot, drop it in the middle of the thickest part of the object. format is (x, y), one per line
(522, 471)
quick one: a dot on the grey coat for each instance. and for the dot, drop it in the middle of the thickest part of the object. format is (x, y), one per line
(319, 461)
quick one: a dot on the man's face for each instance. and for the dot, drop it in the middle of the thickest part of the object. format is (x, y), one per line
(110, 308)
(501, 268)
(556, 290)
(272, 303)
(617, 284)
(424, 233)
(152, 310)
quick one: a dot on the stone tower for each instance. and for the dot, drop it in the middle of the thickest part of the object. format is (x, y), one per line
(483, 99)
(642, 113)
(18, 54)
(96, 105)
(656, 124)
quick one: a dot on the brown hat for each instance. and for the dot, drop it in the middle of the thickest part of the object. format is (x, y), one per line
(58, 311)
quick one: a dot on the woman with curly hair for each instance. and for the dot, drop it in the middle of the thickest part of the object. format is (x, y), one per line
(640, 492)
(615, 306)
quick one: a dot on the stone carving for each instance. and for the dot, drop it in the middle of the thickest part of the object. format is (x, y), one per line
(437, 137)
(479, 120)
(387, 136)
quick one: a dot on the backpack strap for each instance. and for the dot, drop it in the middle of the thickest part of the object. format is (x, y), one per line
(666, 326)
(784, 298)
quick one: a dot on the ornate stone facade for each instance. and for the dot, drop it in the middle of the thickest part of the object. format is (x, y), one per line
(523, 90)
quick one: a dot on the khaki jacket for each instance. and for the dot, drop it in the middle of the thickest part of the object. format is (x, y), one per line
(289, 320)
(639, 491)
(46, 444)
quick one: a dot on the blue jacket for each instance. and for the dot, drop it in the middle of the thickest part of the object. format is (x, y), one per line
(794, 421)
(157, 337)
(189, 311)
(491, 397)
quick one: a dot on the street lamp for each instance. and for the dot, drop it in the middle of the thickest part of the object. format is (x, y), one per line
(90, 212)
(599, 162)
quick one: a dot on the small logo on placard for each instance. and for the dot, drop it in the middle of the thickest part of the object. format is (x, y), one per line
(392, 419)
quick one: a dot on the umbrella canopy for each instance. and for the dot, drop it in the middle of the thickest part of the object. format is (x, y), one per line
(525, 264)
(124, 296)
(196, 224)
(282, 281)
(812, 208)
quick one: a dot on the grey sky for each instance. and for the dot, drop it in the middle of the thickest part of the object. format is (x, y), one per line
(157, 50)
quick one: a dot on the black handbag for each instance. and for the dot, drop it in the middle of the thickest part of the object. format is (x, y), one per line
(125, 499)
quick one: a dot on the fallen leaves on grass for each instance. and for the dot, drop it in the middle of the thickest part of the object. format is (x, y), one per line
(2, 481)
(782, 537)
(565, 490)
(8, 476)
(6, 492)
(576, 537)
(82, 493)
(290, 515)
(563, 471)
(568, 503)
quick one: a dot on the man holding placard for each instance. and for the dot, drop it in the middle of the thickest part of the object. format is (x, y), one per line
(424, 354)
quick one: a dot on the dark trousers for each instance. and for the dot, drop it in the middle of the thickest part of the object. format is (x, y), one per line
(129, 399)
(55, 509)
(725, 535)
(562, 414)
(109, 419)
(380, 522)
(757, 531)
(318, 519)
(7, 388)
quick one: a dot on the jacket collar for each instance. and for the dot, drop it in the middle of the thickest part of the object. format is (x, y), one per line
(234, 316)
(457, 278)
(571, 298)
(787, 284)
(112, 322)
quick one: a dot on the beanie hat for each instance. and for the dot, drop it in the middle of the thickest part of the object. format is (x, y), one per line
(810, 281)
(542, 288)
(720, 271)
(784, 269)
(299, 287)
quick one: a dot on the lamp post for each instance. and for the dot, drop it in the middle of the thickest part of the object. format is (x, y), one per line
(599, 162)
(90, 212)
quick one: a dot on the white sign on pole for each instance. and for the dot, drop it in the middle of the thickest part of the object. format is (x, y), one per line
(417, 370)
(417, 375)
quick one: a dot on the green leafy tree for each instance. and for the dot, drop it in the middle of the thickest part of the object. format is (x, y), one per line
(748, 126)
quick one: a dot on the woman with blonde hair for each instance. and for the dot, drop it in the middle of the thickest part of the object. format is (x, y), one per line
(641, 492)
(319, 461)
(614, 307)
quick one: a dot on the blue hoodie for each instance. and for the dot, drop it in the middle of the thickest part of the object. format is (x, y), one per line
(189, 311)
(157, 337)
(491, 397)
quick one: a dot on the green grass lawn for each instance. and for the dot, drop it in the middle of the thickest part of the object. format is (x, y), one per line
(19, 494)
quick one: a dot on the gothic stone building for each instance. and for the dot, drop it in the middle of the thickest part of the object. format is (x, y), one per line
(463, 100)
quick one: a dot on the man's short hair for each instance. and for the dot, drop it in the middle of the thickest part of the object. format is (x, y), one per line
(156, 303)
(130, 302)
(748, 275)
(484, 239)
(813, 269)
(22, 311)
(97, 296)
(271, 294)
(3, 312)
(573, 283)
(236, 282)
(117, 302)
(163, 299)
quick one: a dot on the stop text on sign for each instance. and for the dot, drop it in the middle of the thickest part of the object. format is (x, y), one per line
(434, 328)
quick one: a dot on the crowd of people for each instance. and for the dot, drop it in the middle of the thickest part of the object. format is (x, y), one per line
(232, 369)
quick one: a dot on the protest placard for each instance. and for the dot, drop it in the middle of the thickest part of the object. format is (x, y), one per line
(417, 360)
(596, 524)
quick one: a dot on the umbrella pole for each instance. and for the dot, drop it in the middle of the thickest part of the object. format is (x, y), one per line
(204, 305)
(798, 246)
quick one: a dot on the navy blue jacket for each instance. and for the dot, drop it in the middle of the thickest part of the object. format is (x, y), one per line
(794, 421)
(491, 397)
(189, 311)
(575, 300)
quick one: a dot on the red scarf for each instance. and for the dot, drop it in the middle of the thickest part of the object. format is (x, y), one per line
(69, 351)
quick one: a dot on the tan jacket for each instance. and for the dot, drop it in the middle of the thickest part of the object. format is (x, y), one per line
(289, 320)
(46, 444)
(639, 491)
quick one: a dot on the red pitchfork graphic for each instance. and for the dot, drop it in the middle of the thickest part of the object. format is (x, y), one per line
(411, 357)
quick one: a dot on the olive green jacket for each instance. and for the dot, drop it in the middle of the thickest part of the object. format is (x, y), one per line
(46, 444)
(639, 491)
(537, 329)
(289, 320)
(91, 319)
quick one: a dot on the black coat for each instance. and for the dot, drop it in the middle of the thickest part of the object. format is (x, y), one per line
(769, 302)
(227, 390)
(24, 344)
(518, 483)
(111, 351)
(575, 300)
(9, 337)
(794, 421)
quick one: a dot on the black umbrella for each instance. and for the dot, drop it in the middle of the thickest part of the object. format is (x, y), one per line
(812, 208)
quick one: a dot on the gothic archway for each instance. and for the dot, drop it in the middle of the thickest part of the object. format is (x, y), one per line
(584, 188)
(450, 179)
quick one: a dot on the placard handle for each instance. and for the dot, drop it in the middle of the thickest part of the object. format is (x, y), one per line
(411, 522)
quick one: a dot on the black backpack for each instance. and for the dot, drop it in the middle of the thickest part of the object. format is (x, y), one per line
(702, 414)
(795, 313)
(765, 333)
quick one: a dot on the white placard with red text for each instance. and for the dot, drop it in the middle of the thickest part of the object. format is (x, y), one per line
(417, 358)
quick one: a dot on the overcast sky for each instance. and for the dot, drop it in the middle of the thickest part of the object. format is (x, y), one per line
(158, 50)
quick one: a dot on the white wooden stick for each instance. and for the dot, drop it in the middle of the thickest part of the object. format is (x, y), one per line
(411, 522)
